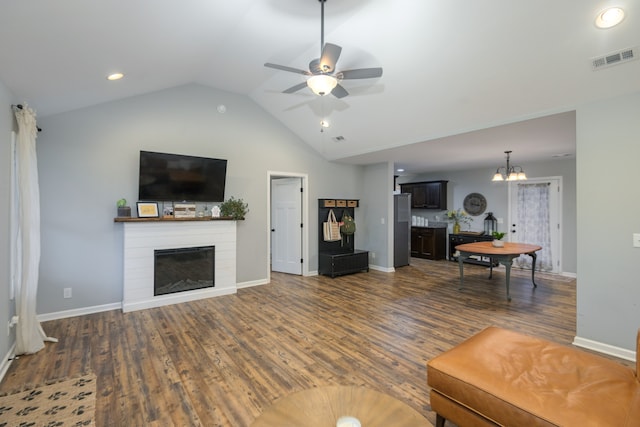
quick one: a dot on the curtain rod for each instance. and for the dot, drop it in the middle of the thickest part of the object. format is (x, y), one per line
(19, 107)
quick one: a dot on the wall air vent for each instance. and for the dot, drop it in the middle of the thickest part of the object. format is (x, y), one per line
(614, 58)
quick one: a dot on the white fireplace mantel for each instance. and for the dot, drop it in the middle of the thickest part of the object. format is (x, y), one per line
(141, 238)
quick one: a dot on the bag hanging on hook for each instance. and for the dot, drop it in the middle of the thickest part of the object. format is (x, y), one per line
(331, 228)
(347, 225)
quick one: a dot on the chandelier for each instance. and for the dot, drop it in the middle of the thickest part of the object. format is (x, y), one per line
(509, 172)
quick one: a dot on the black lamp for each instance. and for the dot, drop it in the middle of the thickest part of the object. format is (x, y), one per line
(490, 224)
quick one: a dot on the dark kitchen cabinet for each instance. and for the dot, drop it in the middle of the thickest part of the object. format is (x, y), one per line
(427, 194)
(429, 243)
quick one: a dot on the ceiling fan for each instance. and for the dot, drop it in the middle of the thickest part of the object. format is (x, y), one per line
(322, 79)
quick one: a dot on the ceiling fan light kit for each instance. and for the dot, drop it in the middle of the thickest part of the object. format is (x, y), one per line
(321, 78)
(322, 84)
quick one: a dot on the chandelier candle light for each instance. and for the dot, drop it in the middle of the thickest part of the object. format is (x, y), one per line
(510, 172)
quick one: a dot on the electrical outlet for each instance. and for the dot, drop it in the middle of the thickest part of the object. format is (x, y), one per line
(8, 328)
(67, 292)
(373, 255)
(636, 240)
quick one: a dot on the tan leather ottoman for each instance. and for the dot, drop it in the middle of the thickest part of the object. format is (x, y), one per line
(502, 378)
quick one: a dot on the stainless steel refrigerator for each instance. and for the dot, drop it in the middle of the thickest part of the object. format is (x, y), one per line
(401, 229)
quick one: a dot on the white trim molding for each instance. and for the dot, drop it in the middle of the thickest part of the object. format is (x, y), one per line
(7, 360)
(79, 312)
(611, 350)
(383, 269)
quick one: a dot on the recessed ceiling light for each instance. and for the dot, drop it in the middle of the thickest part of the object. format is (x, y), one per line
(324, 123)
(609, 17)
(399, 170)
(115, 76)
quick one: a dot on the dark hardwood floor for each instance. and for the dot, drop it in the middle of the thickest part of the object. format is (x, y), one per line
(222, 361)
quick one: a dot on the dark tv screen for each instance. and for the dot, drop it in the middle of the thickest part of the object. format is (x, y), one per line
(175, 177)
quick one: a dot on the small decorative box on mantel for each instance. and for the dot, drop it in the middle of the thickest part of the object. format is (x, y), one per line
(184, 210)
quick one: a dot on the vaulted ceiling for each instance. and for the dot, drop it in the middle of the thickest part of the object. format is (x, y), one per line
(451, 67)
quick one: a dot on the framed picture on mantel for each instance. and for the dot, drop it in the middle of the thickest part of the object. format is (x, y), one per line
(147, 210)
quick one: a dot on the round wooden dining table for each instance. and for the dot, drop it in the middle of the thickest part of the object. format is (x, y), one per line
(504, 255)
(323, 406)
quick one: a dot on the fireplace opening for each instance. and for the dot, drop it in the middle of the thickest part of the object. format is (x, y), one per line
(183, 269)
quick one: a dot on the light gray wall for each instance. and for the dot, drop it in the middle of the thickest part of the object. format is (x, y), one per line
(89, 160)
(376, 214)
(462, 183)
(6, 306)
(608, 302)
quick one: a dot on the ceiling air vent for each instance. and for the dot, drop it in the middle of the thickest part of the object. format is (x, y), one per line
(338, 138)
(624, 55)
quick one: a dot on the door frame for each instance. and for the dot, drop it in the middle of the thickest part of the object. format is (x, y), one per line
(558, 269)
(304, 178)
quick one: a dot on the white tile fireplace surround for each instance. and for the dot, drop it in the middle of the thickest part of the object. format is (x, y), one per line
(142, 237)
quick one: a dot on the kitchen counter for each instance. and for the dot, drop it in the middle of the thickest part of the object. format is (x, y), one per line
(433, 224)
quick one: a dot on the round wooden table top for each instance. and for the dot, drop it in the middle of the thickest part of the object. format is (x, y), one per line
(322, 406)
(509, 248)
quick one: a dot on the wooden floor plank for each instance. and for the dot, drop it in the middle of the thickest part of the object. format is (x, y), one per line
(222, 361)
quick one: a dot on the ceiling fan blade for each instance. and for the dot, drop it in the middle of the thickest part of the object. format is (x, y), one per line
(285, 68)
(339, 92)
(360, 73)
(295, 88)
(329, 58)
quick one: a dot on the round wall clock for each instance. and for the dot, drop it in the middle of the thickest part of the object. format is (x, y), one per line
(475, 204)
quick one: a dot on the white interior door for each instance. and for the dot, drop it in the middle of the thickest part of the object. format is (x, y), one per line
(286, 225)
(535, 212)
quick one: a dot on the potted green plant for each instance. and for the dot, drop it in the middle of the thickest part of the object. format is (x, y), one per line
(497, 239)
(234, 208)
(123, 209)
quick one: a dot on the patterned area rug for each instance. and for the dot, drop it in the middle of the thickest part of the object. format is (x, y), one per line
(66, 403)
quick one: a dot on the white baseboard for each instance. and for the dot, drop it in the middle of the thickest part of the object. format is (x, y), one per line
(383, 269)
(79, 311)
(611, 350)
(252, 283)
(6, 361)
(118, 305)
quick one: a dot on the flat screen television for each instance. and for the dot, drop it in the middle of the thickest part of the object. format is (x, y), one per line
(175, 177)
